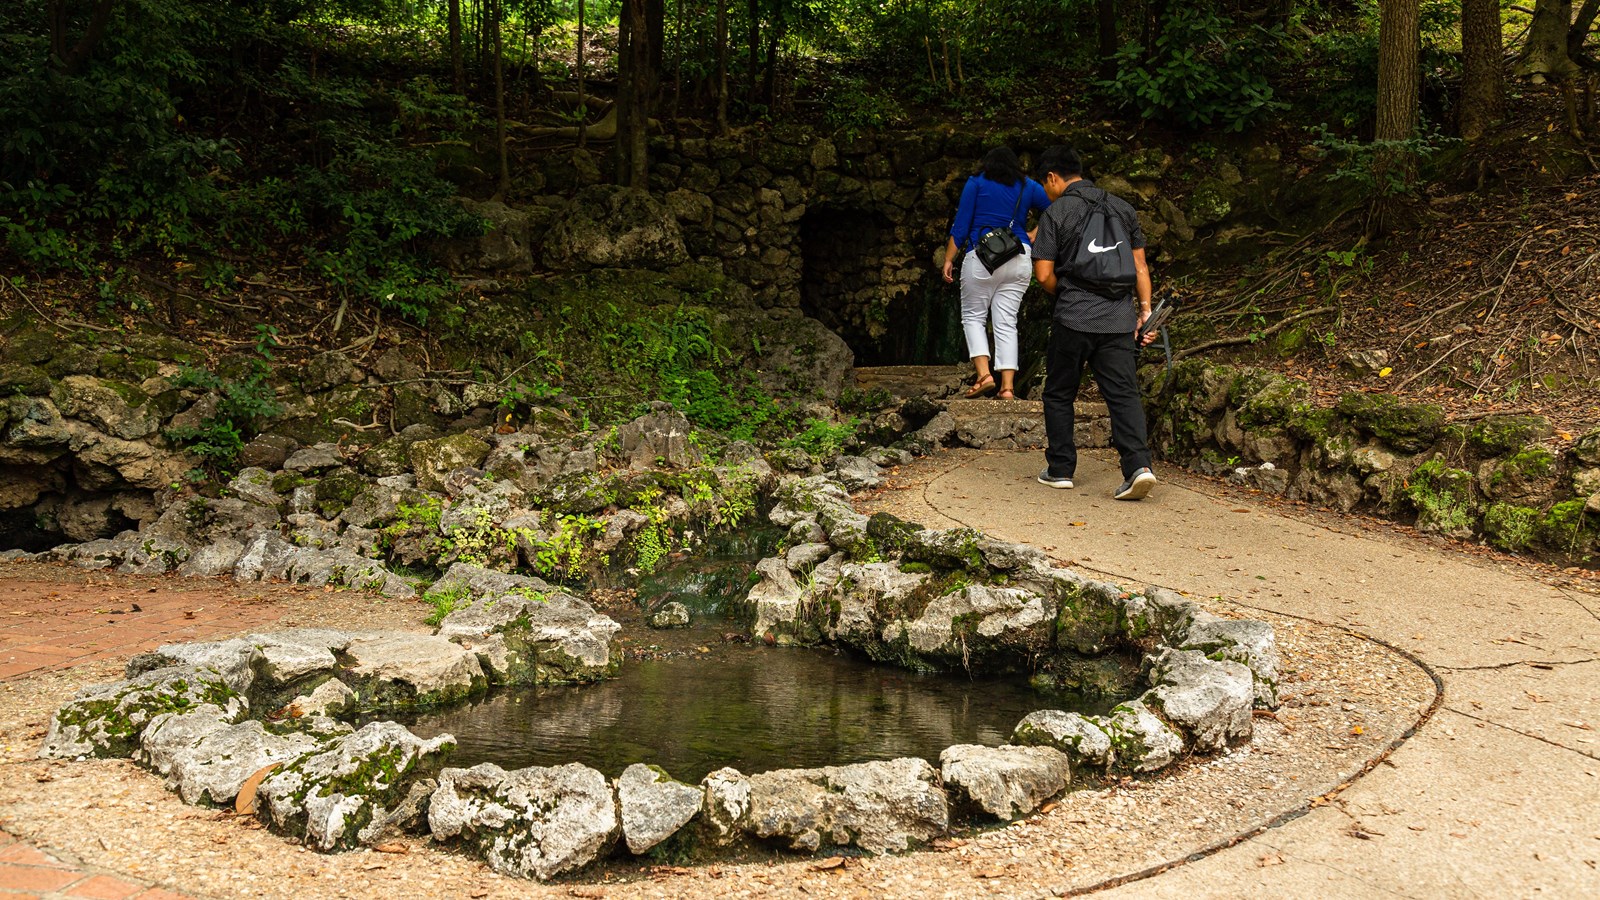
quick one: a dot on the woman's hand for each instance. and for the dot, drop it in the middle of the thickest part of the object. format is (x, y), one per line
(949, 270)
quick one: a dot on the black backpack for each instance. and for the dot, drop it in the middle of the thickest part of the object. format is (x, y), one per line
(1102, 262)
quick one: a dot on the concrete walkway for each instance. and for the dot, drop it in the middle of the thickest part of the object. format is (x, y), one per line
(1498, 795)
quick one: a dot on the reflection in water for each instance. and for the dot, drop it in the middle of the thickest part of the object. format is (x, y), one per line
(752, 708)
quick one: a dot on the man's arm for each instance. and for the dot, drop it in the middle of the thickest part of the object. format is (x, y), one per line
(1142, 288)
(1045, 271)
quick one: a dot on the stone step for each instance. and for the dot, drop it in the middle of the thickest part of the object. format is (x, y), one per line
(1083, 409)
(907, 382)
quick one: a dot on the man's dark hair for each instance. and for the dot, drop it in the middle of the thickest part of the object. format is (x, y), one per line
(1060, 159)
(1001, 165)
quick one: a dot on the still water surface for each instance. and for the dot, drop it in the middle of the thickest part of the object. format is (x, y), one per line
(751, 707)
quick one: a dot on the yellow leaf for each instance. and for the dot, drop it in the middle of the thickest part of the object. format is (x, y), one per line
(1384, 372)
(1357, 730)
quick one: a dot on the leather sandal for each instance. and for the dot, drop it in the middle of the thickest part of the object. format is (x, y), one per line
(983, 386)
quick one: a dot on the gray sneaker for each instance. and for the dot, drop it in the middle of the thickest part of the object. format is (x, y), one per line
(1137, 486)
(1055, 481)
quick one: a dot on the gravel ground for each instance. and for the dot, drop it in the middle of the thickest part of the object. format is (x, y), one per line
(1347, 702)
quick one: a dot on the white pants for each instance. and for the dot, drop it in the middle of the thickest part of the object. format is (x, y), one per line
(998, 293)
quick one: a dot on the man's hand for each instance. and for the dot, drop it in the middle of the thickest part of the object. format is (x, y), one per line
(1144, 341)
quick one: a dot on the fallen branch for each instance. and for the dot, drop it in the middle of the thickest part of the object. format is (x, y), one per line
(1255, 335)
(1433, 364)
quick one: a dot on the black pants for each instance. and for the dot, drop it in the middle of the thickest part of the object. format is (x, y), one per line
(1114, 359)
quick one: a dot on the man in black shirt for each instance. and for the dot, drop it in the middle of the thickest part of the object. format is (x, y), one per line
(1090, 328)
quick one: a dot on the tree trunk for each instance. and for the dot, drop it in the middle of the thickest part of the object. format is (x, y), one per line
(1483, 84)
(769, 87)
(458, 72)
(634, 86)
(722, 67)
(500, 100)
(752, 83)
(1399, 56)
(1544, 55)
(1106, 19)
(583, 105)
(648, 14)
(1579, 32)
(677, 74)
(70, 60)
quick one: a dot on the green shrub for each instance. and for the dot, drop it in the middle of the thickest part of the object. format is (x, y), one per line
(1203, 71)
(244, 404)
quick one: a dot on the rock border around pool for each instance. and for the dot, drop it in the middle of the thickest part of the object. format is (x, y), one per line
(253, 721)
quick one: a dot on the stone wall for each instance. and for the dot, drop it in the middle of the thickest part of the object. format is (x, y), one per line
(1506, 480)
(851, 231)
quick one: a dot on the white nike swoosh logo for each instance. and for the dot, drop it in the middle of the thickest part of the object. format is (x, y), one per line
(1094, 246)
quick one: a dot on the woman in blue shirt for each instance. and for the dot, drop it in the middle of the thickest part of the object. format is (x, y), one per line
(999, 194)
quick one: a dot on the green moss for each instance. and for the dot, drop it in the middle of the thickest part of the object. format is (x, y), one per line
(1264, 398)
(916, 568)
(1500, 435)
(1408, 428)
(1567, 527)
(1444, 499)
(336, 490)
(286, 482)
(1510, 527)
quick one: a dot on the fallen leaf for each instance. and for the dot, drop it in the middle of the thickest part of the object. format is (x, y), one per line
(245, 803)
(392, 848)
(1271, 859)
(1385, 372)
(992, 873)
(1357, 730)
(829, 864)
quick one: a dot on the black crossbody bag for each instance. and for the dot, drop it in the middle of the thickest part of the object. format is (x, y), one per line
(999, 246)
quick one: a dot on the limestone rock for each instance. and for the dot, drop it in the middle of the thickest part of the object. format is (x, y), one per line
(396, 668)
(660, 437)
(120, 410)
(1081, 738)
(1140, 741)
(478, 583)
(507, 245)
(881, 807)
(216, 559)
(433, 460)
(803, 557)
(170, 734)
(1247, 641)
(327, 370)
(1210, 700)
(211, 770)
(857, 473)
(330, 698)
(868, 597)
(330, 796)
(670, 615)
(726, 804)
(314, 459)
(536, 822)
(613, 227)
(267, 452)
(1011, 624)
(230, 659)
(776, 601)
(108, 720)
(532, 638)
(653, 806)
(1006, 782)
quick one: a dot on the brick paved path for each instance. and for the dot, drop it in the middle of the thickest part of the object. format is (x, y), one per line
(52, 625)
(27, 872)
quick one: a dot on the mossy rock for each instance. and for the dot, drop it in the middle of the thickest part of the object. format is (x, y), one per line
(1408, 428)
(1570, 530)
(432, 460)
(32, 347)
(1587, 448)
(124, 365)
(336, 489)
(21, 378)
(1500, 435)
(1511, 527)
(1444, 499)
(1530, 474)
(108, 720)
(73, 359)
(889, 531)
(1264, 398)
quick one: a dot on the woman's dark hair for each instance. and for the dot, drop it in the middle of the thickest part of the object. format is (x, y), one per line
(1001, 165)
(1060, 159)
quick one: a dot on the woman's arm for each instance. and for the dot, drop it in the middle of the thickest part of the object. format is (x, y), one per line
(950, 252)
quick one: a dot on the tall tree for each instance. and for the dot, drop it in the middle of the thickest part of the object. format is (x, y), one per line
(458, 72)
(1399, 76)
(1544, 55)
(1483, 84)
(583, 96)
(1106, 22)
(722, 67)
(67, 55)
(635, 89)
(496, 13)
